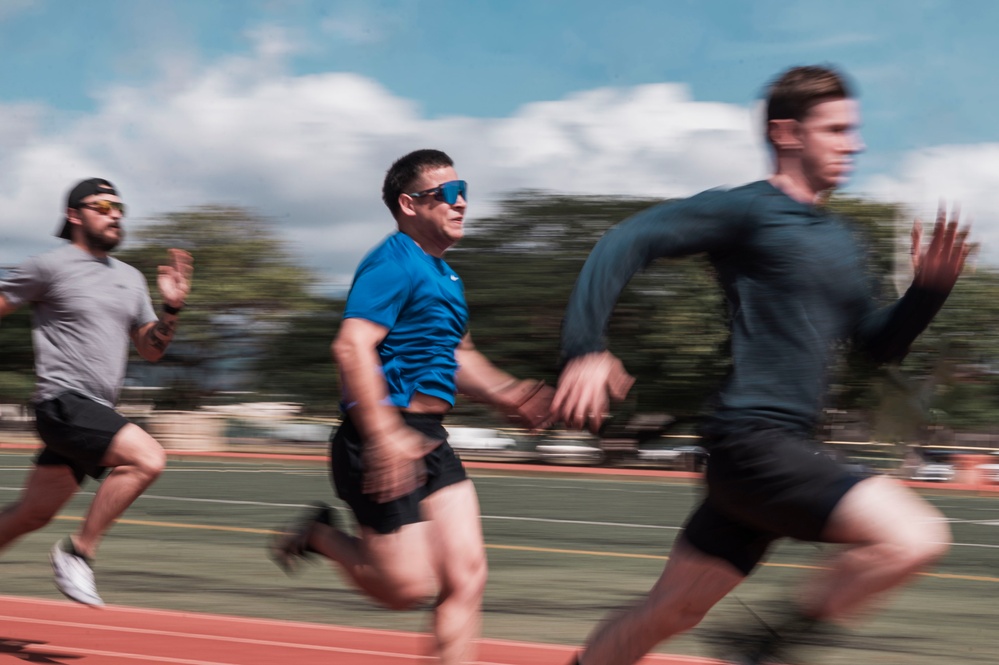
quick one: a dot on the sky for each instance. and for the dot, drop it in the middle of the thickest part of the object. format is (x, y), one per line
(295, 108)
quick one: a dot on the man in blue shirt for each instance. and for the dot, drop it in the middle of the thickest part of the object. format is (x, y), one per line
(796, 286)
(404, 351)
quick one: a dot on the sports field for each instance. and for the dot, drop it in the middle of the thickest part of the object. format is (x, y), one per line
(564, 549)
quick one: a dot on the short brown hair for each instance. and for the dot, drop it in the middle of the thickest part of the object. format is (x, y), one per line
(792, 94)
(404, 172)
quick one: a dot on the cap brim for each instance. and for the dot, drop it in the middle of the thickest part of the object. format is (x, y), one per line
(65, 232)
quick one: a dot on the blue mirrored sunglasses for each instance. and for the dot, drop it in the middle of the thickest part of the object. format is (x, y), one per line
(447, 192)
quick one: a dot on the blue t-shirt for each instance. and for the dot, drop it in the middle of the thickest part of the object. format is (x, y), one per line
(421, 301)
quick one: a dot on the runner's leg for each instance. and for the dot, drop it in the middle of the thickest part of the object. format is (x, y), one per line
(459, 558)
(393, 568)
(690, 585)
(46, 491)
(894, 534)
(137, 460)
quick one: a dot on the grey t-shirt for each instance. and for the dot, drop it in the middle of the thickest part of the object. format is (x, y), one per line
(85, 309)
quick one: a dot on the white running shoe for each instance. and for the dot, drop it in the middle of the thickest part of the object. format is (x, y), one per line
(73, 576)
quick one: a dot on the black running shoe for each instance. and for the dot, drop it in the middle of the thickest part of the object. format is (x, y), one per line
(770, 645)
(290, 547)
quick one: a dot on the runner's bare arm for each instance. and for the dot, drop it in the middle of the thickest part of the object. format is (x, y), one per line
(393, 452)
(527, 402)
(174, 282)
(152, 339)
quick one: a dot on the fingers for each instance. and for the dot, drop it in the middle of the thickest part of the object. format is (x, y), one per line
(396, 467)
(582, 400)
(182, 262)
(395, 481)
(174, 279)
(536, 412)
(941, 264)
(917, 244)
(619, 382)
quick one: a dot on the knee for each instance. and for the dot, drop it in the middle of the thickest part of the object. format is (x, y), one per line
(474, 576)
(923, 547)
(465, 582)
(408, 595)
(935, 544)
(151, 462)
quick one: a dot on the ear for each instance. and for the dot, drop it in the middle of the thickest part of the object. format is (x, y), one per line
(785, 134)
(73, 217)
(407, 205)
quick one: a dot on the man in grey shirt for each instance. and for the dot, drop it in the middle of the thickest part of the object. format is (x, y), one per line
(86, 307)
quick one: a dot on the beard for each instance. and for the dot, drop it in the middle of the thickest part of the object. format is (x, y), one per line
(98, 242)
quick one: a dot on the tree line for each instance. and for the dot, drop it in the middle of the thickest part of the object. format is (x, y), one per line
(256, 326)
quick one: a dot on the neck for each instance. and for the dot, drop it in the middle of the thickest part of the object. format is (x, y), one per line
(96, 253)
(428, 245)
(798, 188)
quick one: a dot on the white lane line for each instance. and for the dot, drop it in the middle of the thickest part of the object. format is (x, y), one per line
(201, 636)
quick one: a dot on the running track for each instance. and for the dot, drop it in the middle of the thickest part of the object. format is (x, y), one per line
(45, 631)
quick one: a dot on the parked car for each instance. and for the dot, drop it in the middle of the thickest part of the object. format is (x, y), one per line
(570, 448)
(933, 472)
(662, 453)
(990, 471)
(479, 440)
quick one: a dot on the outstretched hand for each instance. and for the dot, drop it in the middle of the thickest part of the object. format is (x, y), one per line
(527, 404)
(174, 279)
(587, 385)
(938, 266)
(393, 464)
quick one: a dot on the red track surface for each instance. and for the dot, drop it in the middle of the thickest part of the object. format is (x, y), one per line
(45, 631)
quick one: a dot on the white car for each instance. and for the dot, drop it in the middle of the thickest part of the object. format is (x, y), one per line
(566, 448)
(933, 472)
(990, 472)
(479, 440)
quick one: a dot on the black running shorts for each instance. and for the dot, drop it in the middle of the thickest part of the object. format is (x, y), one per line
(764, 484)
(77, 432)
(347, 468)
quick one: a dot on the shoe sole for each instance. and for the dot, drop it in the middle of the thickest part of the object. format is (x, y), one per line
(88, 603)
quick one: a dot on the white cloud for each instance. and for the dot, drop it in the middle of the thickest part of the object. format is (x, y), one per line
(311, 152)
(962, 175)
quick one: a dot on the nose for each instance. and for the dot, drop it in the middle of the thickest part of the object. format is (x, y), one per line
(857, 143)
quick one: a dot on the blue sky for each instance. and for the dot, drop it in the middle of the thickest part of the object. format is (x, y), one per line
(295, 108)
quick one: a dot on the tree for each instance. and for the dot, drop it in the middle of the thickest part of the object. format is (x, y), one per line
(247, 286)
(296, 360)
(520, 266)
(17, 377)
(669, 326)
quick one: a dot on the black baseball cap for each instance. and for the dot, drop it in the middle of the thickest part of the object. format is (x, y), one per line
(86, 188)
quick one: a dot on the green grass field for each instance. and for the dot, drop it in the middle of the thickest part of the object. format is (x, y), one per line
(563, 551)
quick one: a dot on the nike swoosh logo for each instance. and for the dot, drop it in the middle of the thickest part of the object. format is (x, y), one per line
(454, 278)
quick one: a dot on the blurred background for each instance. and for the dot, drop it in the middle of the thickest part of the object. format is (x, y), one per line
(255, 135)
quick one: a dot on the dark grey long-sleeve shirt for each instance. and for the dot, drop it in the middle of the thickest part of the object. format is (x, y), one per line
(795, 281)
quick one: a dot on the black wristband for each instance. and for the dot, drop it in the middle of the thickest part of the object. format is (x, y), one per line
(168, 309)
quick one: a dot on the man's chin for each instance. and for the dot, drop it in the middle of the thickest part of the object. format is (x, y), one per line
(103, 244)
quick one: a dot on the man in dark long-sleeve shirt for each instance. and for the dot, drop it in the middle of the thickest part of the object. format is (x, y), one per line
(796, 286)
